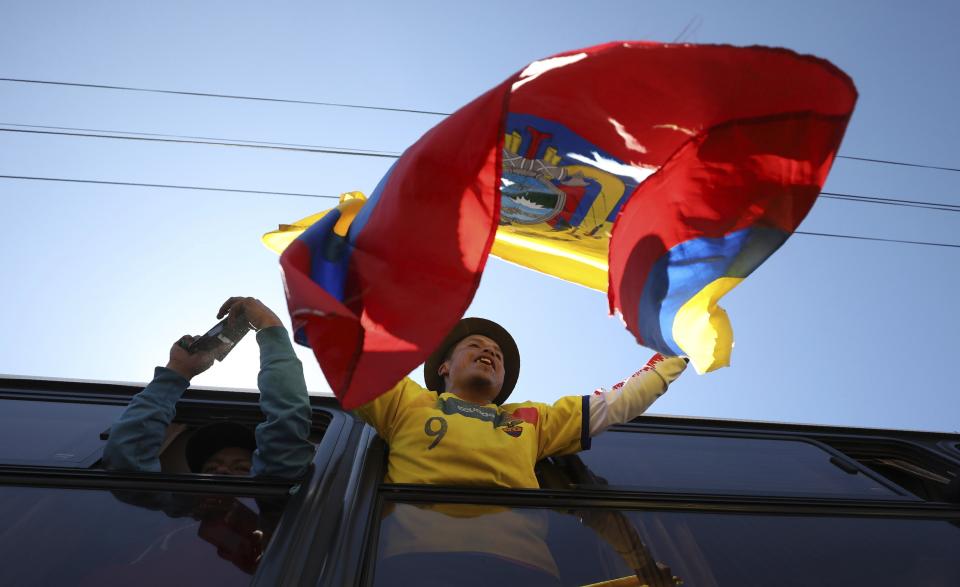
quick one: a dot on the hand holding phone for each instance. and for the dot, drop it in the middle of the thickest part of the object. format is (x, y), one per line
(239, 315)
(220, 339)
(188, 364)
(251, 310)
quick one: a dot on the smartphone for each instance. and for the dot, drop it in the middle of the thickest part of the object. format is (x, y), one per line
(221, 338)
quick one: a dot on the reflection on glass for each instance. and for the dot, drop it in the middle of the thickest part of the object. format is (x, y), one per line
(83, 537)
(60, 434)
(677, 462)
(455, 544)
(447, 544)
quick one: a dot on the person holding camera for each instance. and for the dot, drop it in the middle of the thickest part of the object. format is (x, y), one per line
(280, 446)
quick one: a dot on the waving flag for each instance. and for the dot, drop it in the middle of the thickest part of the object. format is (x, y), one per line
(661, 174)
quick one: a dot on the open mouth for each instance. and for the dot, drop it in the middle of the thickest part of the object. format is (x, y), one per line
(485, 361)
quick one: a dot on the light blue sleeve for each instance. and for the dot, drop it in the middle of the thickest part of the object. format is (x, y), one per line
(283, 445)
(136, 437)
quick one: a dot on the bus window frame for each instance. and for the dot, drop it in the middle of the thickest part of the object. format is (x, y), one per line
(309, 498)
(618, 497)
(758, 435)
(329, 531)
(647, 502)
(344, 518)
(910, 451)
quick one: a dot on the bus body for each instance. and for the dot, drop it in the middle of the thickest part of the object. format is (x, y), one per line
(660, 501)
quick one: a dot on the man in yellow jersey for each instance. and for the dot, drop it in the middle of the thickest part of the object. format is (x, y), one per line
(460, 432)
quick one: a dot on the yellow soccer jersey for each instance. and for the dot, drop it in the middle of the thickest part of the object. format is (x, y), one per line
(442, 440)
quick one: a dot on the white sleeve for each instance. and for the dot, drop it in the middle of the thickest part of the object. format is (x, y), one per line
(628, 399)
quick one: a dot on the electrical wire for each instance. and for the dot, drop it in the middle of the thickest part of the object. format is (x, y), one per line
(166, 186)
(226, 96)
(891, 202)
(882, 240)
(325, 150)
(365, 107)
(275, 193)
(902, 163)
(213, 140)
(199, 140)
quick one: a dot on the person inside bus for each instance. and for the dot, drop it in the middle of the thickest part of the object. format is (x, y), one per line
(280, 447)
(460, 431)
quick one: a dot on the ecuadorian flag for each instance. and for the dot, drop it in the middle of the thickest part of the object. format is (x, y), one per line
(660, 174)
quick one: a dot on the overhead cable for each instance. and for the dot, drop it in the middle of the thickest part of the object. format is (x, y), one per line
(198, 140)
(882, 240)
(902, 163)
(166, 186)
(891, 201)
(216, 141)
(363, 107)
(276, 193)
(227, 96)
(325, 150)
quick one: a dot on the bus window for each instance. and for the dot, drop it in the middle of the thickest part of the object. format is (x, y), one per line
(456, 544)
(912, 467)
(173, 450)
(726, 464)
(53, 434)
(96, 537)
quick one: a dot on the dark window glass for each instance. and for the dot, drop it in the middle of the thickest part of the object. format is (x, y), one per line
(57, 434)
(472, 545)
(95, 538)
(719, 464)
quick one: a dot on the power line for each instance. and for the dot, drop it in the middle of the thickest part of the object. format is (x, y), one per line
(364, 107)
(199, 140)
(891, 201)
(165, 186)
(888, 162)
(214, 140)
(883, 240)
(274, 193)
(100, 135)
(226, 96)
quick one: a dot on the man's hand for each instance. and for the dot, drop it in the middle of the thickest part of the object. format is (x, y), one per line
(250, 310)
(187, 365)
(668, 368)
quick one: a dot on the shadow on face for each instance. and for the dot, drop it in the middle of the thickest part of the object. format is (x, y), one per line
(231, 460)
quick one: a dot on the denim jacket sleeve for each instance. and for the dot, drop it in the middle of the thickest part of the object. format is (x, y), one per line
(136, 437)
(284, 448)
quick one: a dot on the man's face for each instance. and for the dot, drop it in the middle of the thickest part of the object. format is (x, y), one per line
(476, 362)
(231, 460)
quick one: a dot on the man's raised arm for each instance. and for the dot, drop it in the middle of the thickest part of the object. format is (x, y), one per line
(631, 397)
(283, 439)
(136, 436)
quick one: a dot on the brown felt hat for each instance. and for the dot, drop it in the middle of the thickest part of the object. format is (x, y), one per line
(463, 329)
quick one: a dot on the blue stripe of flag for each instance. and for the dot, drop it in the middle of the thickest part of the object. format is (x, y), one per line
(692, 265)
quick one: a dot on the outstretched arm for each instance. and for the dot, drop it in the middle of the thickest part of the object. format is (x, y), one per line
(283, 445)
(631, 397)
(136, 437)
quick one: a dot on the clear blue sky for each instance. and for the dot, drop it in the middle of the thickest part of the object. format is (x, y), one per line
(98, 281)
